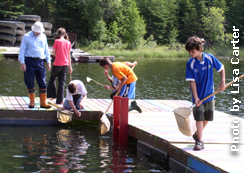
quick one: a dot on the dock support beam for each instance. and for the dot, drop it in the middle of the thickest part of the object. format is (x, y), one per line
(120, 124)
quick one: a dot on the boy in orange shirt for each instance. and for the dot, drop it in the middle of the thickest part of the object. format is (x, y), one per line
(128, 78)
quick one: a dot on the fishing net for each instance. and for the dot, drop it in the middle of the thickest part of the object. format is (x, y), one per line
(64, 116)
(185, 121)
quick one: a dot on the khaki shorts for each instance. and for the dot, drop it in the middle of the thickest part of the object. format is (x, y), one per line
(204, 112)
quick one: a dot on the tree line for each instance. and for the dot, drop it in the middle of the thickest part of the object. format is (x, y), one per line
(136, 23)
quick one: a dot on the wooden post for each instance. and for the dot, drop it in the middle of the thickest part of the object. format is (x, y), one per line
(123, 131)
(116, 115)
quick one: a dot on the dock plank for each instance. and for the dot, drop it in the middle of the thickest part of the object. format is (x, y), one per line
(15, 103)
(156, 126)
(92, 105)
(160, 105)
(101, 105)
(217, 136)
(2, 104)
(149, 106)
(22, 103)
(107, 104)
(8, 103)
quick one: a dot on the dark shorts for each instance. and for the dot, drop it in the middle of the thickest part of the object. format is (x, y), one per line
(204, 112)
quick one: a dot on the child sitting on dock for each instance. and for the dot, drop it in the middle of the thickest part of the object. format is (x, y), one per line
(127, 79)
(76, 96)
(199, 72)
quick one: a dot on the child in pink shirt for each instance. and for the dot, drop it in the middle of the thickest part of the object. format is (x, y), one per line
(61, 50)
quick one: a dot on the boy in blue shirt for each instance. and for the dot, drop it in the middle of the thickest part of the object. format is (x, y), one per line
(199, 72)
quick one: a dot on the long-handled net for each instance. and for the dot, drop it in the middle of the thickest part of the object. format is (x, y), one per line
(89, 79)
(184, 117)
(63, 116)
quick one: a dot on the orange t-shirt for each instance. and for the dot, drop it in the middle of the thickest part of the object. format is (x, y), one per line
(120, 70)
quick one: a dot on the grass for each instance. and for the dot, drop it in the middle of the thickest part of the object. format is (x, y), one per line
(159, 52)
(221, 51)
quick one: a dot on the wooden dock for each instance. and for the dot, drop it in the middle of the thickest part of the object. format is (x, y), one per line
(156, 130)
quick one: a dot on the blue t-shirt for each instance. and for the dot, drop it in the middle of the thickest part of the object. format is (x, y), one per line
(202, 73)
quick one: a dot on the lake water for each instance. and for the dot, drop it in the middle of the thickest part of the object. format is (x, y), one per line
(158, 79)
(74, 148)
(78, 147)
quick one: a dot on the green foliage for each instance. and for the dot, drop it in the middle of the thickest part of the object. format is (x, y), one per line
(213, 25)
(99, 31)
(135, 23)
(132, 24)
(150, 42)
(235, 17)
(10, 8)
(95, 45)
(113, 33)
(160, 17)
(189, 21)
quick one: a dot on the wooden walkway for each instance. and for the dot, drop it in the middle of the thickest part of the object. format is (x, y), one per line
(156, 130)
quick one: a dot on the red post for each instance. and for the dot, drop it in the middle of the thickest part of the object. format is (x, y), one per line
(116, 114)
(123, 131)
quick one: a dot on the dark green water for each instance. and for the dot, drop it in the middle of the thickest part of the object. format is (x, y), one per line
(65, 149)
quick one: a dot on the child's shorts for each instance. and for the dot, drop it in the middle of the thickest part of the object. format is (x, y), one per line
(204, 112)
(128, 90)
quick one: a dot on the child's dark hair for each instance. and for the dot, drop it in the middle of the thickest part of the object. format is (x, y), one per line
(72, 88)
(61, 32)
(193, 43)
(104, 61)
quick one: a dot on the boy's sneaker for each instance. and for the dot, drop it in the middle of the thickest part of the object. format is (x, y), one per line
(199, 145)
(195, 136)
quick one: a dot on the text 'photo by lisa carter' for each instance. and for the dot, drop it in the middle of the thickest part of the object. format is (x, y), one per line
(235, 91)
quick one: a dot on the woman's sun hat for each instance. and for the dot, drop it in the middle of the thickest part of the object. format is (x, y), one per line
(38, 27)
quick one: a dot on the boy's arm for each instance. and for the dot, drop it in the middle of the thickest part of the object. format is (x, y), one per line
(54, 52)
(112, 87)
(107, 76)
(194, 93)
(221, 86)
(83, 101)
(71, 104)
(130, 64)
(121, 84)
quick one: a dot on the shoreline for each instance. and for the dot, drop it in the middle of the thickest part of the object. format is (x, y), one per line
(149, 53)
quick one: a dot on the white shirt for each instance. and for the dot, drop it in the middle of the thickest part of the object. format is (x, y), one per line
(81, 89)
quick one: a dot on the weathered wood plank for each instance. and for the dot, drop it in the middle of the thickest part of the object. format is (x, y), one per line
(2, 104)
(15, 103)
(23, 104)
(92, 105)
(160, 105)
(8, 103)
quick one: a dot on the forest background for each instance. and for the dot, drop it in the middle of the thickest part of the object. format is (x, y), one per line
(128, 25)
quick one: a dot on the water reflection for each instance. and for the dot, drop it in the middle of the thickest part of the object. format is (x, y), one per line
(121, 161)
(46, 154)
(57, 149)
